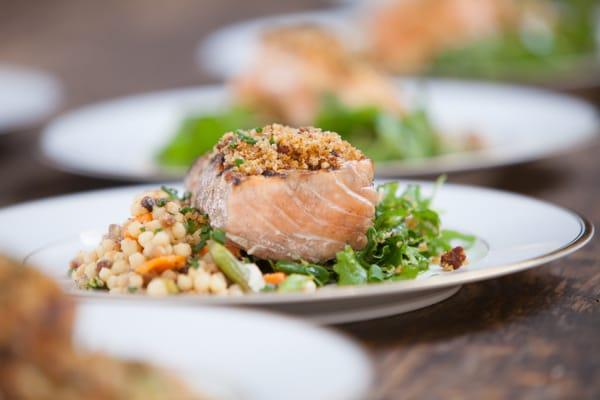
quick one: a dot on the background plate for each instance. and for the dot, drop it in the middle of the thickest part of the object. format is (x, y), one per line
(220, 351)
(242, 41)
(27, 96)
(120, 138)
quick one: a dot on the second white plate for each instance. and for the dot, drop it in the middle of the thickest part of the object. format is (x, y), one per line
(120, 138)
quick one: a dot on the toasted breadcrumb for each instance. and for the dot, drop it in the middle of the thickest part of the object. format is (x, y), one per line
(277, 148)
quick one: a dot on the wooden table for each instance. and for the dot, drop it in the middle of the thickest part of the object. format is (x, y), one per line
(531, 335)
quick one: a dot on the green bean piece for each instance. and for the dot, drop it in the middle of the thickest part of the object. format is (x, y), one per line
(229, 265)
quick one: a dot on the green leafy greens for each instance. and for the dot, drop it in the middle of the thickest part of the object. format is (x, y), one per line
(553, 49)
(380, 135)
(405, 236)
(197, 134)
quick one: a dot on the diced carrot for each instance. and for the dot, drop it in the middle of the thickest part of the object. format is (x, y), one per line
(161, 264)
(144, 218)
(275, 278)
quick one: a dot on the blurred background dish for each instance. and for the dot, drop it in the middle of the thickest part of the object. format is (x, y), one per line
(243, 40)
(544, 232)
(55, 349)
(229, 353)
(554, 43)
(515, 124)
(27, 96)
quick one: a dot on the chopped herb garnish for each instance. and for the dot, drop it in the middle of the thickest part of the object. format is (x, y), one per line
(143, 229)
(173, 194)
(238, 162)
(258, 130)
(95, 283)
(193, 263)
(131, 289)
(233, 145)
(191, 226)
(160, 202)
(186, 210)
(218, 236)
(199, 246)
(157, 230)
(186, 195)
(245, 138)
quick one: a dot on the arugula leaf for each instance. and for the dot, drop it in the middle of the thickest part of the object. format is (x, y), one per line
(379, 134)
(197, 134)
(349, 269)
(405, 235)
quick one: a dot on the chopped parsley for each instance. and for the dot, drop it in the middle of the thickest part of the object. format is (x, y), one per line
(186, 210)
(173, 194)
(245, 138)
(191, 226)
(238, 162)
(95, 283)
(186, 195)
(218, 236)
(193, 263)
(160, 202)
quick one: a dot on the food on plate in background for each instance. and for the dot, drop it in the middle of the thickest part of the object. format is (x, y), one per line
(271, 209)
(304, 76)
(487, 38)
(297, 65)
(39, 360)
(405, 35)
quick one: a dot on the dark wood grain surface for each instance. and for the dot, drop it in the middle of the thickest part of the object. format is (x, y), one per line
(532, 335)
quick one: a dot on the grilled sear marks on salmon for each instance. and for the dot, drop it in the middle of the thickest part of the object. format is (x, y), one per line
(302, 213)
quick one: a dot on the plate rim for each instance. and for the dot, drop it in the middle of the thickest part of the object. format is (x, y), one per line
(341, 337)
(473, 160)
(585, 234)
(54, 90)
(346, 12)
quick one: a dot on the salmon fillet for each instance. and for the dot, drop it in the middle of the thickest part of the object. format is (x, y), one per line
(291, 215)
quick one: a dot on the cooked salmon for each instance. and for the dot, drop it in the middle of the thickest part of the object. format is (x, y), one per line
(296, 214)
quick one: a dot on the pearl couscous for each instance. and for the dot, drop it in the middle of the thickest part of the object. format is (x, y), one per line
(167, 247)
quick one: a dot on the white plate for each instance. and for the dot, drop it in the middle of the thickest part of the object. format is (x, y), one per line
(242, 42)
(27, 96)
(120, 138)
(230, 354)
(515, 233)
